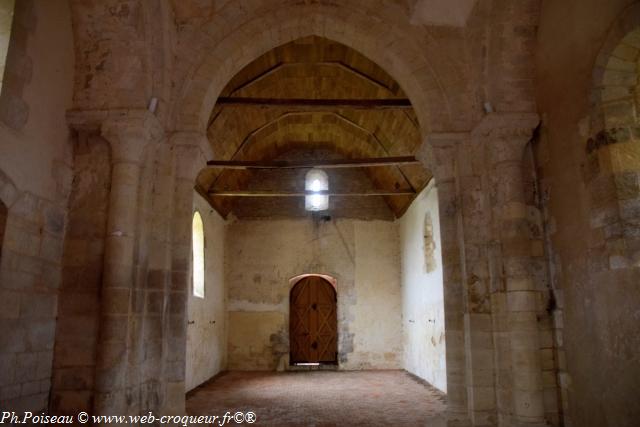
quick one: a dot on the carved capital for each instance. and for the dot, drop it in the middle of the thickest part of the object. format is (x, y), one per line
(510, 125)
(128, 132)
(506, 134)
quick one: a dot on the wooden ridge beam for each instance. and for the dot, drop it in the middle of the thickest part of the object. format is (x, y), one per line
(268, 193)
(311, 103)
(303, 164)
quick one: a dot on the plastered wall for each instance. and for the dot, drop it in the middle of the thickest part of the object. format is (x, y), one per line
(206, 331)
(363, 257)
(422, 292)
(37, 90)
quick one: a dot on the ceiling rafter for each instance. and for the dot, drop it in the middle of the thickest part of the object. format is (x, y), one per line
(310, 99)
(344, 119)
(281, 65)
(324, 164)
(319, 103)
(276, 193)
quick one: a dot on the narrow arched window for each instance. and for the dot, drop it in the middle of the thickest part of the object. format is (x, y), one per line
(198, 255)
(6, 20)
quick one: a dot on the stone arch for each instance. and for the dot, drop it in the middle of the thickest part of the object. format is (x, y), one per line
(612, 168)
(436, 84)
(329, 278)
(430, 78)
(615, 75)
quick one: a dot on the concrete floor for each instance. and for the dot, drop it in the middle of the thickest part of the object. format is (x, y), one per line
(322, 398)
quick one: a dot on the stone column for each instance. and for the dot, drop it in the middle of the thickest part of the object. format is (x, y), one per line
(128, 134)
(189, 150)
(506, 136)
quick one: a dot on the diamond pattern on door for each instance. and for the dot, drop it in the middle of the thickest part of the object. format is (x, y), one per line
(313, 331)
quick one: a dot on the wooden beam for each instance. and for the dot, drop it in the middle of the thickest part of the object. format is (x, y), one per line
(324, 164)
(310, 103)
(266, 193)
(279, 66)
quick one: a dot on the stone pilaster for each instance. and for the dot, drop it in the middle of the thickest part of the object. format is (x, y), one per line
(129, 133)
(190, 155)
(515, 294)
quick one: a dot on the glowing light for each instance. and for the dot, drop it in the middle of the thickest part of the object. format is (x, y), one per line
(316, 181)
(316, 202)
(198, 255)
(315, 185)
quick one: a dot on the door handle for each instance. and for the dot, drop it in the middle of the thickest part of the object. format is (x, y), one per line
(314, 345)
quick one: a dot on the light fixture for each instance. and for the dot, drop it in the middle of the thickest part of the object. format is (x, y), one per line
(315, 182)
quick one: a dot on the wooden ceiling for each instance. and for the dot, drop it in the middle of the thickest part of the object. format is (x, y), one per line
(281, 115)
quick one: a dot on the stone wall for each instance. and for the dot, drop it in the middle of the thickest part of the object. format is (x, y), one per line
(35, 181)
(30, 274)
(587, 77)
(79, 308)
(539, 259)
(422, 290)
(206, 333)
(363, 257)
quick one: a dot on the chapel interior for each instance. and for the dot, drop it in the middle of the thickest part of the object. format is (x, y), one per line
(321, 212)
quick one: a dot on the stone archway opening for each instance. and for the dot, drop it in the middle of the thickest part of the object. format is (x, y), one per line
(316, 99)
(416, 69)
(612, 168)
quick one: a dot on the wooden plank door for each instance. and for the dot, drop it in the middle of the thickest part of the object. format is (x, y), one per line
(313, 331)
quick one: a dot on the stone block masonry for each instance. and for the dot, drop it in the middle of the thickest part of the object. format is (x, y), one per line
(30, 277)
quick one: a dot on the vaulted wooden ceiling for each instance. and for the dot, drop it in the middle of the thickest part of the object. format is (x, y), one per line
(261, 129)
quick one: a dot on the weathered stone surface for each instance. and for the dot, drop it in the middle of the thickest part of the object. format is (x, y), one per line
(539, 239)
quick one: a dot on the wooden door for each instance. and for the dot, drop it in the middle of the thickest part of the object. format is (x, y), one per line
(313, 321)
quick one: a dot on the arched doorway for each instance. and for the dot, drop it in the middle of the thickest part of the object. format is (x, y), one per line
(313, 322)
